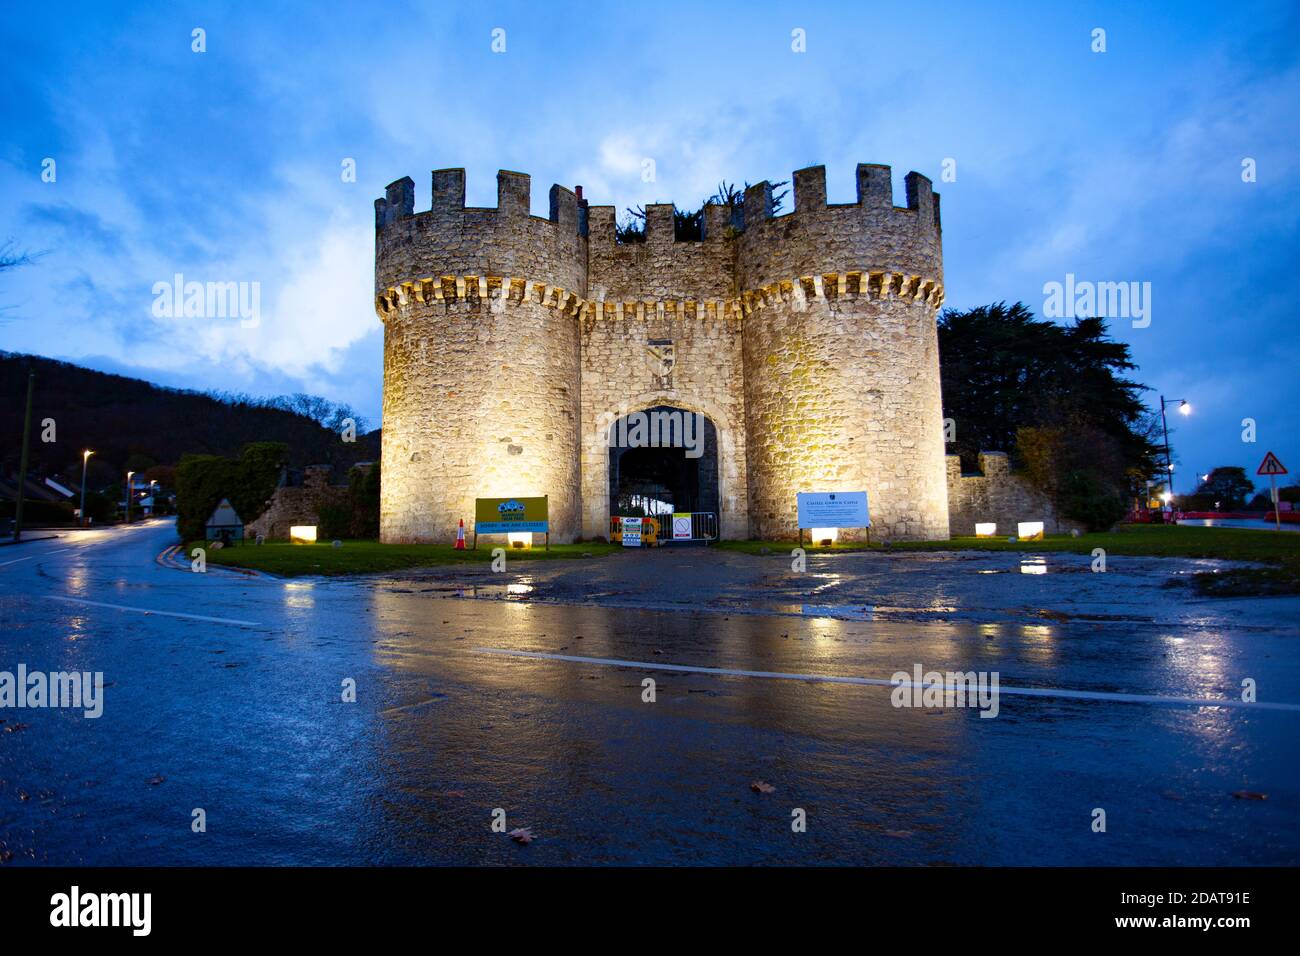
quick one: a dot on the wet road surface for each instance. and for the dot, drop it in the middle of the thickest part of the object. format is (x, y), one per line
(224, 692)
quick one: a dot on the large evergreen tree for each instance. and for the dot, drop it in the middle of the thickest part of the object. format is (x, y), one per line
(1054, 396)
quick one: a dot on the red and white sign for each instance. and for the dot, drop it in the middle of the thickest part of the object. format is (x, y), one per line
(1271, 466)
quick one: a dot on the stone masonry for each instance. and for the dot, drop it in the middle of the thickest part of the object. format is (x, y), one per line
(998, 496)
(808, 339)
(292, 505)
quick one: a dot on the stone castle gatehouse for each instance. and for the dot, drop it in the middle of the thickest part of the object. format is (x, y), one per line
(807, 340)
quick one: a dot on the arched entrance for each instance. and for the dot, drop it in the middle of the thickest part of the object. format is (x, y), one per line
(663, 459)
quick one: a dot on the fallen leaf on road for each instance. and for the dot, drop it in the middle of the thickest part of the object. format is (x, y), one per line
(522, 835)
(1250, 795)
(758, 786)
(156, 779)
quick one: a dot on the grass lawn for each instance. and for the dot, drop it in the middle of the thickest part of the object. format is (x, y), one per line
(367, 557)
(1279, 549)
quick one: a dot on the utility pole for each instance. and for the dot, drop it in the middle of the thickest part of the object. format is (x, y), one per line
(22, 465)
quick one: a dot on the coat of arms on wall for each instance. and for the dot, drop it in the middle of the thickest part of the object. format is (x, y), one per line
(661, 362)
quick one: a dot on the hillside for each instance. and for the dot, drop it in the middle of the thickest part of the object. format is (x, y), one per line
(131, 423)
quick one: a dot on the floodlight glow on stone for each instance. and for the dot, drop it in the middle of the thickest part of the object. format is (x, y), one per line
(305, 533)
(1029, 530)
(986, 529)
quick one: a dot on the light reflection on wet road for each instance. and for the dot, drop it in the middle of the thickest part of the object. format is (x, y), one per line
(247, 723)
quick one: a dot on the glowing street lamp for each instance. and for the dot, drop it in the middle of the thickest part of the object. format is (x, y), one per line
(128, 496)
(1184, 408)
(85, 460)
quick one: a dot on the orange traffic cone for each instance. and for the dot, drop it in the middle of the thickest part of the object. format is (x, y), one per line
(460, 536)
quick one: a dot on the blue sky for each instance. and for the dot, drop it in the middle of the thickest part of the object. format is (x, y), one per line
(225, 166)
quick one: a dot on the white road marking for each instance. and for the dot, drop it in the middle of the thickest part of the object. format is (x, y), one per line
(885, 682)
(32, 556)
(148, 610)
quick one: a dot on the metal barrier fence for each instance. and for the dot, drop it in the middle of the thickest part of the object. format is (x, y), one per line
(667, 528)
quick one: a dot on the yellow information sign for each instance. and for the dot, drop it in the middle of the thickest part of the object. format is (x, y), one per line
(504, 515)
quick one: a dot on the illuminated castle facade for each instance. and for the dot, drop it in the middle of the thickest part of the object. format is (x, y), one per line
(808, 340)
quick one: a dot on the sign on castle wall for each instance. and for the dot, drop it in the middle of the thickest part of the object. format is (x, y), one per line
(833, 509)
(504, 515)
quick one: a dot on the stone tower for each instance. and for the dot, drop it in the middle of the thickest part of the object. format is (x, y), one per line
(807, 339)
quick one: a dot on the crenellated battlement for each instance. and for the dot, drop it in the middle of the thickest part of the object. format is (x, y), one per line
(742, 250)
(451, 238)
(514, 200)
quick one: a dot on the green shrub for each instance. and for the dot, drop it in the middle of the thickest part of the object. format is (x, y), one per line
(203, 480)
(1085, 499)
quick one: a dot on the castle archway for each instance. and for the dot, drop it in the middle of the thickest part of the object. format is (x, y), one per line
(663, 459)
(713, 482)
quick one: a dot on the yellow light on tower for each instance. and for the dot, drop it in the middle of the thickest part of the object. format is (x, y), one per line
(303, 534)
(986, 529)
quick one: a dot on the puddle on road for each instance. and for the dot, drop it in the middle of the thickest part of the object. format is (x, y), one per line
(521, 591)
(863, 613)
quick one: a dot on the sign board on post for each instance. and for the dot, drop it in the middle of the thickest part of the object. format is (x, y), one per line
(833, 509)
(504, 515)
(1272, 467)
(681, 526)
(631, 528)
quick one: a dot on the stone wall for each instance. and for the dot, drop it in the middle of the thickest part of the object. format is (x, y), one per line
(297, 505)
(480, 400)
(843, 395)
(999, 496)
(808, 339)
(618, 377)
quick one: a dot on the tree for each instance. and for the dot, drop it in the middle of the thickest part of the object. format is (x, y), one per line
(358, 515)
(203, 480)
(1228, 486)
(1055, 397)
(11, 257)
(688, 226)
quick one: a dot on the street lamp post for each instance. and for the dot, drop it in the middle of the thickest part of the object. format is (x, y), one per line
(85, 460)
(128, 496)
(1184, 409)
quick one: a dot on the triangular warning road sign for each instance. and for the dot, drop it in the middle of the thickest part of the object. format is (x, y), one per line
(1271, 466)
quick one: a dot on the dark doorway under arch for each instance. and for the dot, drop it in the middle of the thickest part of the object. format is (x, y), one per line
(641, 475)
